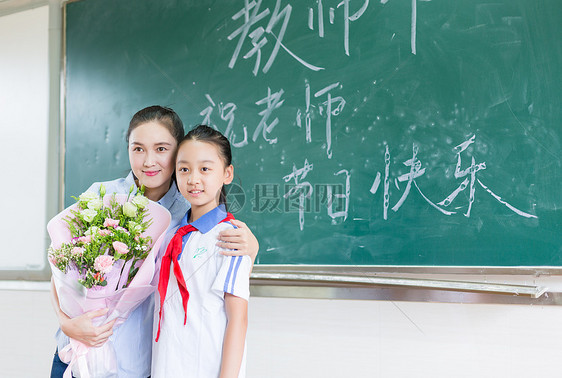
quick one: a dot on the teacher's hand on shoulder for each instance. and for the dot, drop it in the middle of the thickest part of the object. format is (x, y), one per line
(238, 241)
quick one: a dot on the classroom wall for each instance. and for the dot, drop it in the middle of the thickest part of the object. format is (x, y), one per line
(340, 338)
(288, 337)
(24, 94)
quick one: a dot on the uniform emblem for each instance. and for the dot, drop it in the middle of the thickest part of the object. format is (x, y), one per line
(200, 252)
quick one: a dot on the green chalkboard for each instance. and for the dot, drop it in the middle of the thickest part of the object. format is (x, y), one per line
(390, 132)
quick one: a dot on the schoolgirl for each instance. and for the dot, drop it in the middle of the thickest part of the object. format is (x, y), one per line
(202, 301)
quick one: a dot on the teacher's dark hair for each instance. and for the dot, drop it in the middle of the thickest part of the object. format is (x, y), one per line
(164, 116)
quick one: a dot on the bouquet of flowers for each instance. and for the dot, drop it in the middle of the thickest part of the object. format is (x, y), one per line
(103, 255)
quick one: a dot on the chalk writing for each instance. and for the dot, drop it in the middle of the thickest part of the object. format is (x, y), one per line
(413, 26)
(226, 114)
(273, 101)
(256, 28)
(307, 114)
(376, 183)
(471, 170)
(347, 18)
(331, 107)
(304, 189)
(417, 171)
(345, 196)
(258, 36)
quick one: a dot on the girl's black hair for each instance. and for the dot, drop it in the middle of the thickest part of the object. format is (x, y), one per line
(167, 117)
(207, 134)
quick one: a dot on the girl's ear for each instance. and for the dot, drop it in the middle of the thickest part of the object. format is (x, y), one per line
(228, 175)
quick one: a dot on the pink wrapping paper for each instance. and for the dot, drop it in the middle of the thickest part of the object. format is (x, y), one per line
(75, 299)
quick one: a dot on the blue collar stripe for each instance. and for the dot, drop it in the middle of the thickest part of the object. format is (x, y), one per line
(206, 222)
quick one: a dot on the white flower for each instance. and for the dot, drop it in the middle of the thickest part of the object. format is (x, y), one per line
(129, 209)
(89, 215)
(102, 190)
(92, 231)
(119, 228)
(95, 204)
(135, 228)
(140, 200)
(87, 196)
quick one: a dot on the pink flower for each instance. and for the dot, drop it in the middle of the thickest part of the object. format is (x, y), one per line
(120, 248)
(103, 264)
(85, 239)
(104, 232)
(77, 251)
(111, 223)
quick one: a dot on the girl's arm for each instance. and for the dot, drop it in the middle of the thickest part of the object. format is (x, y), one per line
(81, 327)
(235, 335)
(239, 241)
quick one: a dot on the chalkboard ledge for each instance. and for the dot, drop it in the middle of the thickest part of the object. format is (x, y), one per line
(525, 285)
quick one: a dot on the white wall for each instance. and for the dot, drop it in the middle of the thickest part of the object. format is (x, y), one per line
(365, 339)
(312, 338)
(24, 94)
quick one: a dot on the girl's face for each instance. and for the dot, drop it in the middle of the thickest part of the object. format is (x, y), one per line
(200, 174)
(152, 152)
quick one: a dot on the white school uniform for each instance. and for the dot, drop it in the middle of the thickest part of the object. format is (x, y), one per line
(195, 349)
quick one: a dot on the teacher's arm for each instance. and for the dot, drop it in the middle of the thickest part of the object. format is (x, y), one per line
(81, 328)
(238, 241)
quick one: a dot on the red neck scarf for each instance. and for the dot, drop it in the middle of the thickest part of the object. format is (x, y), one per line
(171, 256)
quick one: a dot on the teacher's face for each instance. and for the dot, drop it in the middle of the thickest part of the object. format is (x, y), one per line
(152, 153)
